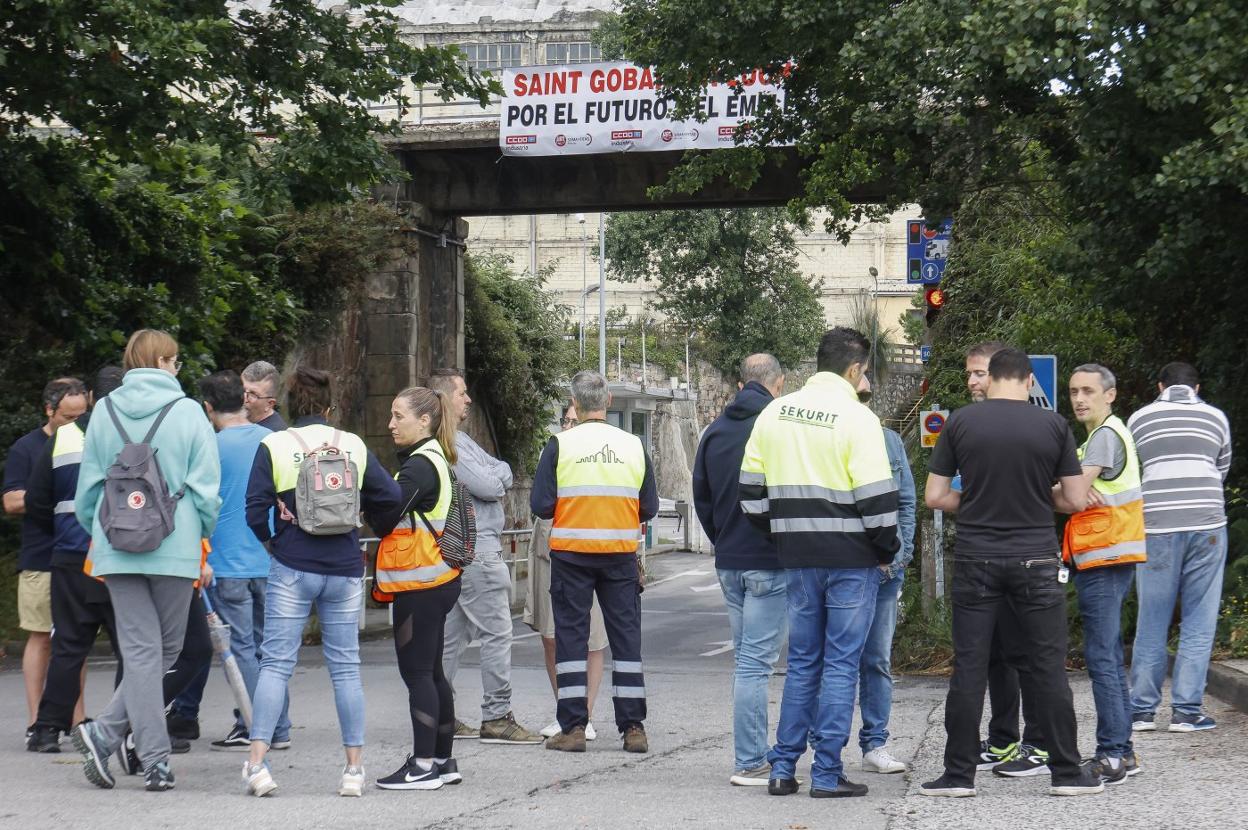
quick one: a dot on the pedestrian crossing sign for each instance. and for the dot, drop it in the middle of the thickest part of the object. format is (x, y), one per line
(1044, 391)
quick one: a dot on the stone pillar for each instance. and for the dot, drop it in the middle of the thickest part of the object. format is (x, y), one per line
(413, 316)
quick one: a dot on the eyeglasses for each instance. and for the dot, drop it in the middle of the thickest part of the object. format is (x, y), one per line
(252, 396)
(568, 422)
(177, 364)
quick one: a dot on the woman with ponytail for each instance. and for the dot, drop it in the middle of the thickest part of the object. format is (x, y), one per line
(424, 588)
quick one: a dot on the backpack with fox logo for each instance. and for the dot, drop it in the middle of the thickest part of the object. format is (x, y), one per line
(327, 499)
(458, 540)
(136, 511)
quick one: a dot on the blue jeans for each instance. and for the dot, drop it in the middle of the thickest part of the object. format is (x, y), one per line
(1186, 566)
(756, 612)
(289, 599)
(830, 613)
(1101, 592)
(875, 682)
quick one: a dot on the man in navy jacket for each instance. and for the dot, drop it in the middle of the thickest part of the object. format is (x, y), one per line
(745, 559)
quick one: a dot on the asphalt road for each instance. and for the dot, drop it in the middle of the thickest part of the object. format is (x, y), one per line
(1190, 780)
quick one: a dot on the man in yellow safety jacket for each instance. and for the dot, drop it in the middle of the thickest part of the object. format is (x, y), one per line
(816, 475)
(1103, 543)
(595, 481)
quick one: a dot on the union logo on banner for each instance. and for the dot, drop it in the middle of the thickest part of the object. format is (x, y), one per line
(626, 135)
(136, 500)
(521, 139)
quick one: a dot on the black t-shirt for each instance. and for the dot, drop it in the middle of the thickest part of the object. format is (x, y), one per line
(36, 552)
(1010, 454)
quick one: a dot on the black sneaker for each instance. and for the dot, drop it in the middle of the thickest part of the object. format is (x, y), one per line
(180, 727)
(1110, 770)
(943, 787)
(127, 758)
(844, 789)
(44, 739)
(95, 762)
(1029, 761)
(411, 776)
(990, 756)
(448, 771)
(30, 733)
(236, 741)
(1143, 722)
(1184, 722)
(179, 746)
(1132, 762)
(782, 786)
(159, 777)
(1086, 783)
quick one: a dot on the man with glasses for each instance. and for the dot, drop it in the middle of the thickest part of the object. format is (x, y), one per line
(64, 401)
(260, 395)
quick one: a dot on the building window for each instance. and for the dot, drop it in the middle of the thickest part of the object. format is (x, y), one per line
(561, 53)
(483, 56)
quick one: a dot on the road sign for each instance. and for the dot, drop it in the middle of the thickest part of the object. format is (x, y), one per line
(925, 353)
(926, 251)
(1044, 392)
(931, 422)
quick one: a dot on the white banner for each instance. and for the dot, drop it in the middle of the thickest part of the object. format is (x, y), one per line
(615, 107)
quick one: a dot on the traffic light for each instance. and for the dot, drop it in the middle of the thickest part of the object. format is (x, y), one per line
(935, 302)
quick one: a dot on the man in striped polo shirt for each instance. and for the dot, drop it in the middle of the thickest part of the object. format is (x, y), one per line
(1184, 446)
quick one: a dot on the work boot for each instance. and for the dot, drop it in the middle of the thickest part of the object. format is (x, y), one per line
(505, 730)
(635, 738)
(571, 741)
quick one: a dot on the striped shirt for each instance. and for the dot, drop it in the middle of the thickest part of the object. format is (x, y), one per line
(1185, 452)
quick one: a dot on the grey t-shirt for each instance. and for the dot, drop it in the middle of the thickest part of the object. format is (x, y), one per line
(1105, 450)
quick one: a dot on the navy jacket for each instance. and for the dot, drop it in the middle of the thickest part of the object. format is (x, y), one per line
(50, 488)
(739, 544)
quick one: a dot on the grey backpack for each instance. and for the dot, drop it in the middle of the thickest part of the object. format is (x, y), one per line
(326, 499)
(137, 509)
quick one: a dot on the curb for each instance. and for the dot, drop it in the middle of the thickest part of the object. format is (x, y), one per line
(1229, 685)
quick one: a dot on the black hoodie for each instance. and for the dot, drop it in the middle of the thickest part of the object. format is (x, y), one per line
(739, 545)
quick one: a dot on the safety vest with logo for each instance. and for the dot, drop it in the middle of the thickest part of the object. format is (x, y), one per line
(68, 535)
(1112, 533)
(817, 469)
(409, 559)
(287, 454)
(598, 483)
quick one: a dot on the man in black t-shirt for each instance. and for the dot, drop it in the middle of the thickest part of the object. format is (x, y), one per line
(1009, 454)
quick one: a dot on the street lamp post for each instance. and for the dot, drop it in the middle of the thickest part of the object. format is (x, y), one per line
(580, 217)
(602, 294)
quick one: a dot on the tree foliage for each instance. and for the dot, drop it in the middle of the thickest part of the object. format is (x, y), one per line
(516, 353)
(730, 275)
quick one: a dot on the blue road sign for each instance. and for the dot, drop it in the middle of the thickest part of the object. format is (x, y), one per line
(1044, 393)
(927, 249)
(925, 353)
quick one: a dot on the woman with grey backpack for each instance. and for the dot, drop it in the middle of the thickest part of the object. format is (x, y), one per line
(148, 494)
(316, 480)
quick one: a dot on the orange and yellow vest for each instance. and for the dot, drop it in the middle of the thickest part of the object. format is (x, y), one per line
(409, 558)
(598, 479)
(1112, 533)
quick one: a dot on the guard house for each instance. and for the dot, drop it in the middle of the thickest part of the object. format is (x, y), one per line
(633, 408)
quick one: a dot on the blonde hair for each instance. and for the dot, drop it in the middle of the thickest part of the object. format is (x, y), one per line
(421, 400)
(147, 347)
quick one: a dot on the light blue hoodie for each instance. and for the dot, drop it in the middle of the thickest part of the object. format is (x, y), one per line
(187, 450)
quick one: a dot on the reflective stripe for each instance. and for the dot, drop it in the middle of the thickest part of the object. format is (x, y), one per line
(594, 533)
(630, 666)
(64, 507)
(566, 692)
(880, 520)
(66, 459)
(630, 691)
(597, 490)
(757, 507)
(570, 666)
(427, 573)
(875, 488)
(1131, 548)
(810, 491)
(752, 478)
(817, 526)
(1123, 498)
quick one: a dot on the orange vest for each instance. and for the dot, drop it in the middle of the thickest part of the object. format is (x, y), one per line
(598, 479)
(409, 558)
(1112, 533)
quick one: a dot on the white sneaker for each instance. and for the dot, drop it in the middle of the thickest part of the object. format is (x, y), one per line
(882, 761)
(258, 779)
(756, 777)
(552, 730)
(591, 734)
(352, 785)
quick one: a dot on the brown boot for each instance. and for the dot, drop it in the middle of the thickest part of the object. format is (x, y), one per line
(635, 739)
(573, 741)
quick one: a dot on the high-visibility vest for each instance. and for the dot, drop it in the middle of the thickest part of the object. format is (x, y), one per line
(598, 478)
(1113, 533)
(67, 444)
(286, 452)
(409, 559)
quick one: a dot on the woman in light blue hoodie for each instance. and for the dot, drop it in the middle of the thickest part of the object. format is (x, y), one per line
(151, 592)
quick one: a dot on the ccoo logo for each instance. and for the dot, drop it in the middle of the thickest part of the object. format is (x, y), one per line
(136, 500)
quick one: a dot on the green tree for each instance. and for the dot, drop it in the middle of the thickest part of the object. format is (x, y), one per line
(730, 275)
